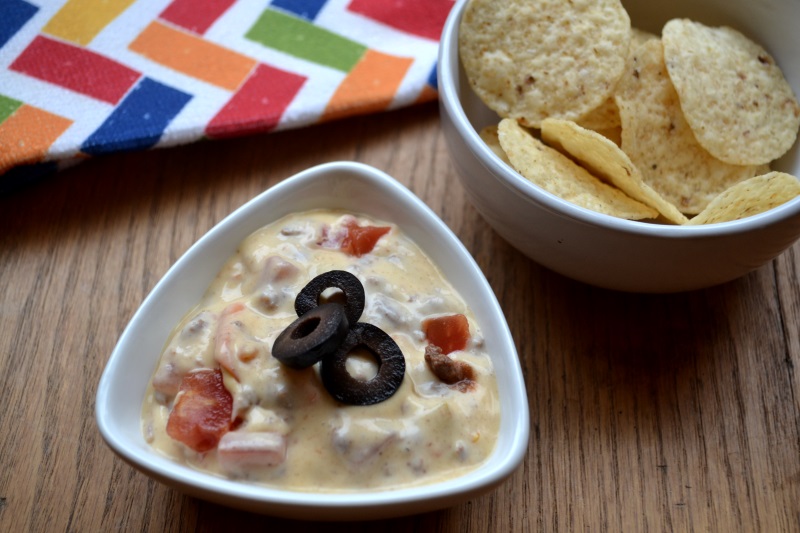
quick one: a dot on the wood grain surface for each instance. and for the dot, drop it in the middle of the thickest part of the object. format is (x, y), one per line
(648, 413)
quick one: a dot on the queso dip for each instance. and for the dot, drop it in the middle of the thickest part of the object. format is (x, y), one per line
(281, 427)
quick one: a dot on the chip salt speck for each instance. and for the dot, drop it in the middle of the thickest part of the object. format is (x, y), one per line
(751, 116)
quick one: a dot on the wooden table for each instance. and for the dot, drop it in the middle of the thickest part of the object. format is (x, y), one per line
(648, 413)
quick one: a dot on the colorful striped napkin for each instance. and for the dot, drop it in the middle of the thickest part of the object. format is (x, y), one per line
(86, 77)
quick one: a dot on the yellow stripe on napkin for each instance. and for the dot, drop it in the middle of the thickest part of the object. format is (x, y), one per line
(79, 21)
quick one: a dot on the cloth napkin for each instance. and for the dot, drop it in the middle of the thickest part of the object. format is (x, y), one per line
(79, 78)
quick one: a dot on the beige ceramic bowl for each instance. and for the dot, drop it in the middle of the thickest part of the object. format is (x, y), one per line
(599, 249)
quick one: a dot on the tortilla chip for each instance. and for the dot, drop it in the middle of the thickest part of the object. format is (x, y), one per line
(658, 140)
(750, 197)
(606, 117)
(613, 134)
(489, 136)
(539, 58)
(604, 159)
(557, 174)
(751, 116)
(639, 37)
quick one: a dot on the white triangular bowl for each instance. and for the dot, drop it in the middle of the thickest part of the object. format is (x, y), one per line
(348, 186)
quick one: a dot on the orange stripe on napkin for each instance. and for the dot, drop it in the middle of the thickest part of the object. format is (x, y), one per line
(427, 94)
(193, 56)
(370, 86)
(79, 21)
(26, 135)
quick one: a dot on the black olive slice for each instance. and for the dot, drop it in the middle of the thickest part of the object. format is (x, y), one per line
(391, 367)
(346, 282)
(314, 335)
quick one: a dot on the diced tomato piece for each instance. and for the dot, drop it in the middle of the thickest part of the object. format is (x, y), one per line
(361, 240)
(449, 333)
(202, 412)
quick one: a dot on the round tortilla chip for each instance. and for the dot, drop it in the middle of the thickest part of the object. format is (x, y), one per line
(659, 141)
(557, 174)
(606, 117)
(613, 134)
(751, 116)
(750, 197)
(639, 37)
(604, 159)
(603, 118)
(530, 60)
(489, 135)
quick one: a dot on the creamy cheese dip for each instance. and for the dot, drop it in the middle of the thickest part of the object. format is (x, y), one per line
(287, 431)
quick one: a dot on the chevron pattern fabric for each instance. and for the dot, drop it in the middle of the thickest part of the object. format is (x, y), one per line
(86, 77)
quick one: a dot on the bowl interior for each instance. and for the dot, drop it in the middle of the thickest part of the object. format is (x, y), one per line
(347, 186)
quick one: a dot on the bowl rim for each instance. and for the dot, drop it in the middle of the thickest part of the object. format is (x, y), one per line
(330, 505)
(448, 66)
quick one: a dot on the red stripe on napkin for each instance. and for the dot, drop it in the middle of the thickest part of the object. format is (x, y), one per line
(75, 68)
(421, 17)
(258, 105)
(193, 15)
